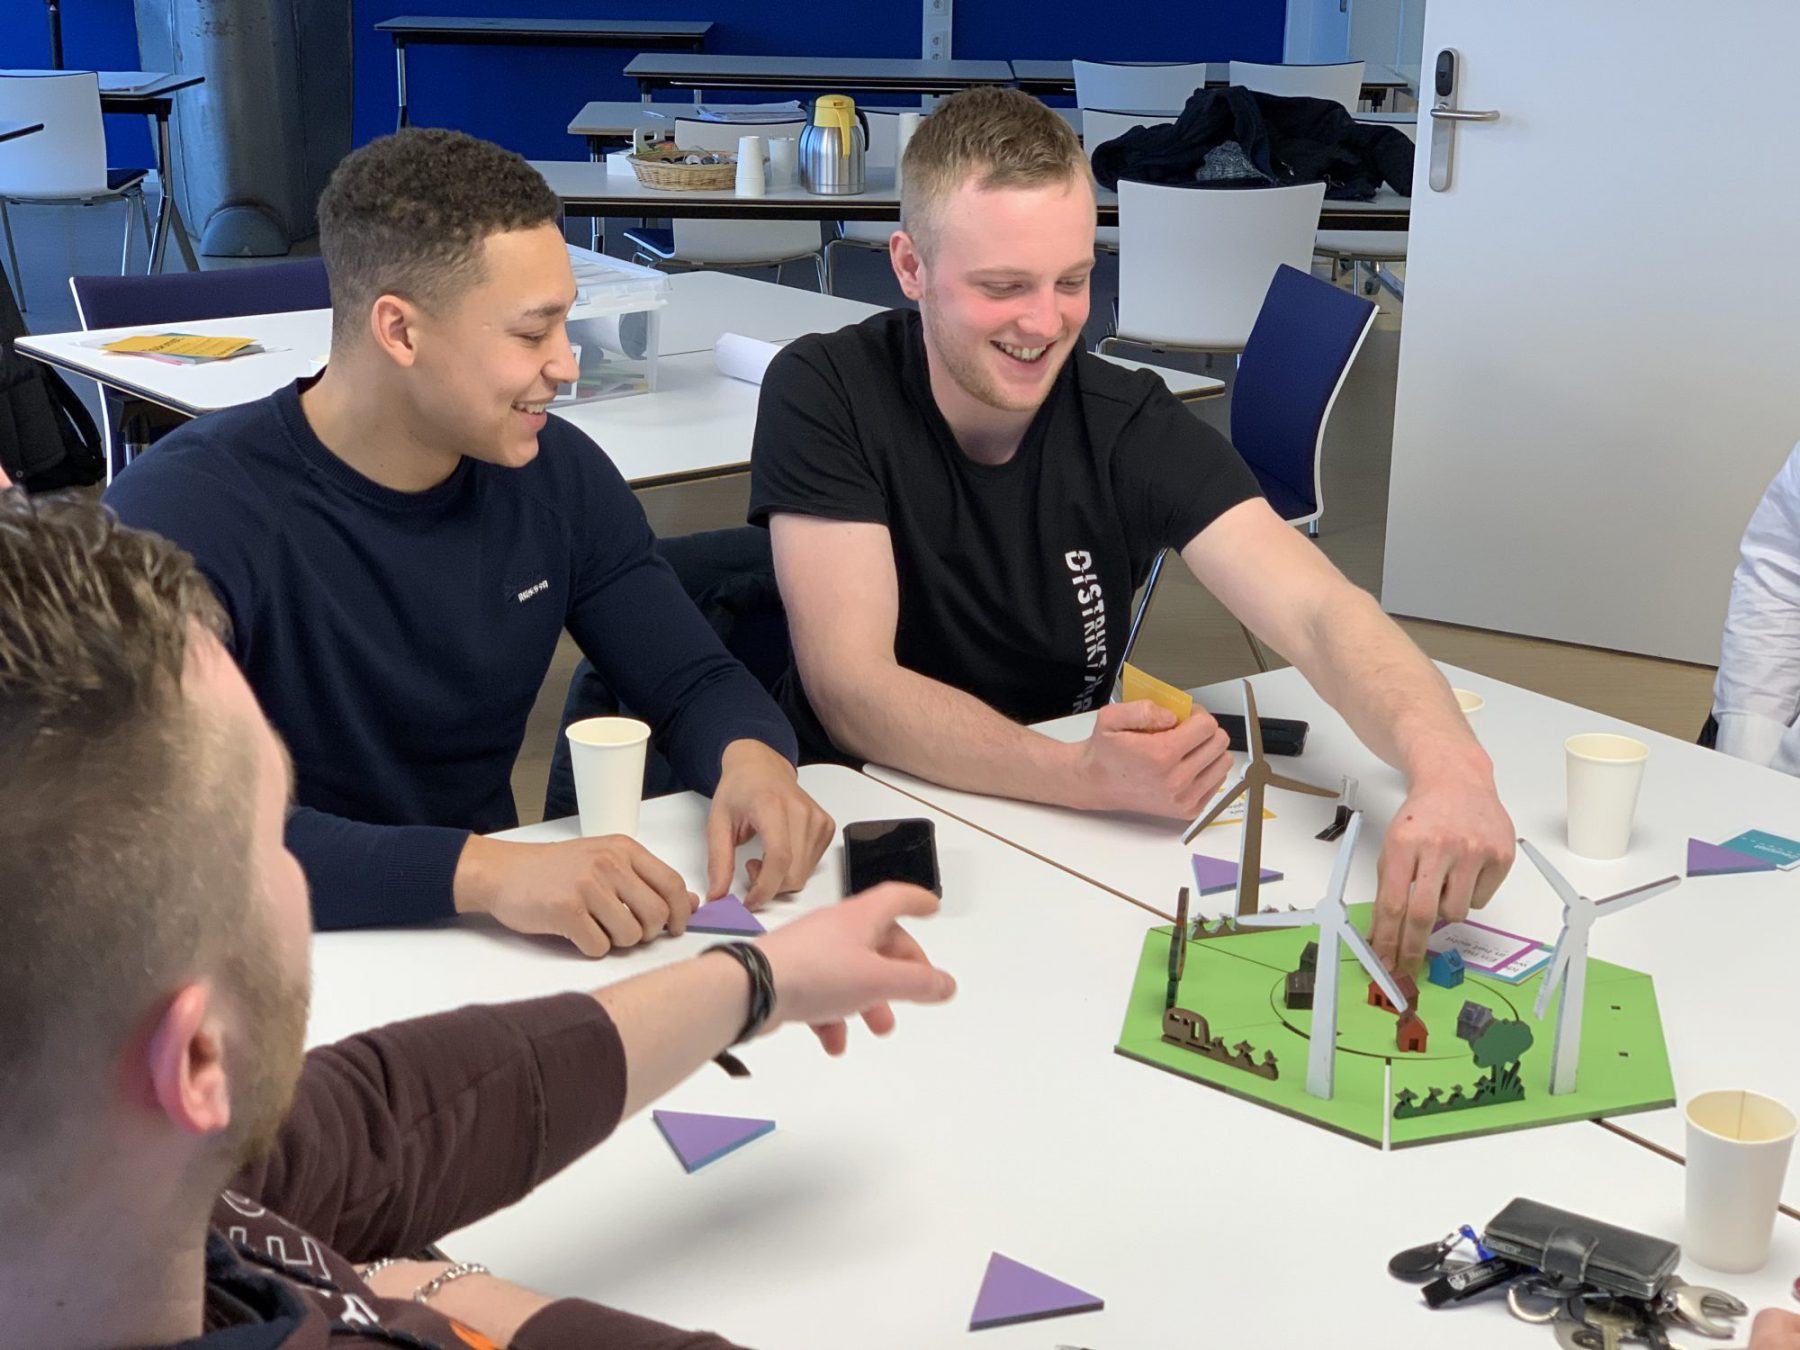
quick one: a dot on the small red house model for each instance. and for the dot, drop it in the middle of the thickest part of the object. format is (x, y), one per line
(1408, 987)
(1410, 1033)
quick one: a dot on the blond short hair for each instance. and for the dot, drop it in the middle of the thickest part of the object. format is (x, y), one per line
(1000, 137)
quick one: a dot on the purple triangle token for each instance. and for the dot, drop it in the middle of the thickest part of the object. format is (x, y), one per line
(1212, 875)
(1012, 1293)
(724, 915)
(1715, 860)
(699, 1139)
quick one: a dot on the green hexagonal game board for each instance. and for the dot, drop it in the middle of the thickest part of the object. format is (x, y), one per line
(1236, 983)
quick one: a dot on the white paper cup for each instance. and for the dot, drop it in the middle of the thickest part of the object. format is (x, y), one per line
(1737, 1158)
(784, 162)
(1470, 702)
(1604, 773)
(608, 756)
(750, 177)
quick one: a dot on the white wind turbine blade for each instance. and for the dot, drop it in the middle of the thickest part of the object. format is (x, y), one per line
(1557, 883)
(1612, 904)
(1340, 867)
(1559, 964)
(1377, 972)
(1252, 724)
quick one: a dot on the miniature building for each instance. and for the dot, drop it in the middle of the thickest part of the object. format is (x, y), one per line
(1445, 969)
(1408, 987)
(1410, 1033)
(1299, 994)
(1309, 957)
(1473, 1020)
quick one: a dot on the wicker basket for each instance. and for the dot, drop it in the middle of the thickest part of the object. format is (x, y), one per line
(663, 169)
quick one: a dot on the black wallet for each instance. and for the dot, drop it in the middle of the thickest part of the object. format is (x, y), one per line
(1574, 1249)
(1281, 735)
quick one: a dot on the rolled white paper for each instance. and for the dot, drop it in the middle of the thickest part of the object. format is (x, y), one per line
(743, 358)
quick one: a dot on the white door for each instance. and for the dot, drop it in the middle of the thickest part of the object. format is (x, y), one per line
(1600, 358)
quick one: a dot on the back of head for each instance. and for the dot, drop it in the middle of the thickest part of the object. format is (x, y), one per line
(124, 818)
(407, 215)
(1002, 138)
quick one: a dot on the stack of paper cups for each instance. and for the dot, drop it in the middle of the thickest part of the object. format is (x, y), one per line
(909, 123)
(750, 179)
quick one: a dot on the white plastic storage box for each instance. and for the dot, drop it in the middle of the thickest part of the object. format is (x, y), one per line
(613, 326)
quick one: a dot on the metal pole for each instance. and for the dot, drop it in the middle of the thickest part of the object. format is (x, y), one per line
(56, 52)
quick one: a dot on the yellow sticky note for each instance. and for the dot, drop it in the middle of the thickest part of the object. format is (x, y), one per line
(181, 344)
(1136, 684)
(1235, 813)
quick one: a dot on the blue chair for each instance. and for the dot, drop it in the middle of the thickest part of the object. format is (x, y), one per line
(1300, 350)
(182, 297)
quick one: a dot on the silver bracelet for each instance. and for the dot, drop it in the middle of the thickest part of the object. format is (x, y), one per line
(382, 1264)
(438, 1281)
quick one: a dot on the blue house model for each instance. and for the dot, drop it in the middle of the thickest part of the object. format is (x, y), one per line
(1446, 969)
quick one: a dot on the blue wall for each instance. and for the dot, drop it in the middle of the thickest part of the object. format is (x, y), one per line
(523, 97)
(97, 35)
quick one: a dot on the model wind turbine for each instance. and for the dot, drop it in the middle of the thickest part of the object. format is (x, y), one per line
(1333, 920)
(1255, 777)
(1568, 962)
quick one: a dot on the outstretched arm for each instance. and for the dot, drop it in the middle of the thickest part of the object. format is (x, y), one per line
(1451, 843)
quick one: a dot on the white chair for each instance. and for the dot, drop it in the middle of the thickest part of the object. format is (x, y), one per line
(1136, 88)
(731, 244)
(1098, 126)
(883, 153)
(1352, 248)
(1340, 82)
(65, 163)
(1195, 263)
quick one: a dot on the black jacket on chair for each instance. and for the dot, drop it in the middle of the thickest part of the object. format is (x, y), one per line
(1282, 141)
(48, 439)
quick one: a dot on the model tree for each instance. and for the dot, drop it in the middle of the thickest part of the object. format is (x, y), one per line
(1498, 1050)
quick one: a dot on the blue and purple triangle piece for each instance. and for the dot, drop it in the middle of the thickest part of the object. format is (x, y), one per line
(1212, 875)
(725, 915)
(1715, 860)
(700, 1139)
(1011, 1292)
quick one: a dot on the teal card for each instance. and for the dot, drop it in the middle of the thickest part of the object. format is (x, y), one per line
(1761, 844)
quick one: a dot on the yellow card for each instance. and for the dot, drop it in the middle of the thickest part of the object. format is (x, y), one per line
(1235, 813)
(1136, 684)
(181, 344)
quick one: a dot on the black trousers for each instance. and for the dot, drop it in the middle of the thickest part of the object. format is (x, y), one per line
(730, 576)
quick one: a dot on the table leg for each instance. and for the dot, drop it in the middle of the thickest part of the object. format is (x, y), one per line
(400, 79)
(168, 214)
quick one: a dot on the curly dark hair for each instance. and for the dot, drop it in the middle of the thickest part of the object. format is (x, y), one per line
(407, 214)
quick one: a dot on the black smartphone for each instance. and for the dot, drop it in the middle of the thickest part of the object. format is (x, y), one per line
(890, 850)
(1280, 735)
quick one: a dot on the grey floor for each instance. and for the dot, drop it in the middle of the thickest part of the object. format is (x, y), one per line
(1190, 639)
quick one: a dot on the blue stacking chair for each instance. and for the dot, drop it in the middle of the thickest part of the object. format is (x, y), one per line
(182, 297)
(1299, 352)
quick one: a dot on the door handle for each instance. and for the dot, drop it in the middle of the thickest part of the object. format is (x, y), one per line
(1462, 115)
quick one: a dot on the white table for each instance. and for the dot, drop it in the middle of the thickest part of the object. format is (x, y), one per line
(1002, 1121)
(592, 188)
(1720, 948)
(696, 422)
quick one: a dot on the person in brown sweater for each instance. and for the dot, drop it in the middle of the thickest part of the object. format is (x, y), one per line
(173, 1169)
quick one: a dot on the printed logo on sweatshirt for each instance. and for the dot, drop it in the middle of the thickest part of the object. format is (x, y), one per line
(536, 588)
(1093, 624)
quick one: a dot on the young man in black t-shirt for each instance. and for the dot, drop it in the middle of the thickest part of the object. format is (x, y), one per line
(962, 502)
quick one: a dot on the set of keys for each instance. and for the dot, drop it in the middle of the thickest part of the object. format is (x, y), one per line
(1582, 1316)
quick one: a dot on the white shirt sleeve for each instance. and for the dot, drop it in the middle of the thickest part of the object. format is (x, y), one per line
(1756, 696)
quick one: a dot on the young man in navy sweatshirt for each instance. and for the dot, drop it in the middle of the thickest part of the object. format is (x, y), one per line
(399, 543)
(174, 1171)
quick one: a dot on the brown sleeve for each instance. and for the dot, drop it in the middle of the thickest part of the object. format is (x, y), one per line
(403, 1134)
(573, 1324)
